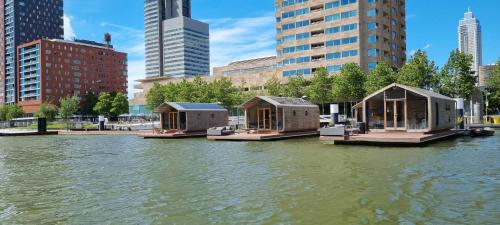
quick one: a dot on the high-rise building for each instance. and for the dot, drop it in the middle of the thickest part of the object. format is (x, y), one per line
(176, 45)
(331, 33)
(52, 69)
(20, 22)
(470, 40)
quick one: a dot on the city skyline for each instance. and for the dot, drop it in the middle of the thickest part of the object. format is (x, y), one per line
(89, 19)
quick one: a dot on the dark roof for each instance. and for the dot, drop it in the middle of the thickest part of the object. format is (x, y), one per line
(420, 91)
(187, 106)
(280, 101)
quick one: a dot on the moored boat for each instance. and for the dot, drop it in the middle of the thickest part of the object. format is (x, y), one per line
(482, 132)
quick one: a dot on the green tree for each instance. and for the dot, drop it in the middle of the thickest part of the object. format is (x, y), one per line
(104, 104)
(69, 106)
(119, 105)
(456, 78)
(154, 97)
(493, 88)
(225, 93)
(185, 92)
(296, 87)
(89, 101)
(418, 72)
(320, 89)
(349, 85)
(200, 90)
(47, 111)
(274, 87)
(380, 77)
(13, 111)
(4, 109)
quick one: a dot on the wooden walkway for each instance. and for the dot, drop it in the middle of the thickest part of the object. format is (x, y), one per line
(176, 135)
(392, 138)
(273, 136)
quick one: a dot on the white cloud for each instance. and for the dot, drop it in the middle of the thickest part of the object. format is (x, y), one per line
(233, 39)
(69, 33)
(427, 46)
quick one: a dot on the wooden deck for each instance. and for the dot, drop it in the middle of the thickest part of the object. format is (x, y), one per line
(272, 136)
(175, 135)
(27, 133)
(392, 138)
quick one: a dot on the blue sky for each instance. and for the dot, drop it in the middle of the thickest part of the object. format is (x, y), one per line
(245, 28)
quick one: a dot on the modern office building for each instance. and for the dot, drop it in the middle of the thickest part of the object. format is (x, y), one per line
(470, 40)
(22, 21)
(176, 45)
(52, 69)
(484, 74)
(331, 33)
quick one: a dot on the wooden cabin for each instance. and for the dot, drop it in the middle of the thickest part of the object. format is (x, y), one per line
(402, 108)
(191, 117)
(280, 114)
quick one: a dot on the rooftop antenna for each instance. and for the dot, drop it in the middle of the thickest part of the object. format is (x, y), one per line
(107, 39)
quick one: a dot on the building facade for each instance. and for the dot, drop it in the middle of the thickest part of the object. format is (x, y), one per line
(484, 74)
(21, 22)
(470, 39)
(176, 45)
(331, 33)
(52, 69)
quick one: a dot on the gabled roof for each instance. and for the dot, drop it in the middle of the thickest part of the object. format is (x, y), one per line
(187, 106)
(279, 101)
(419, 91)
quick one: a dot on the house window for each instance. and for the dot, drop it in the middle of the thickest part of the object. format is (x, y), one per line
(294, 113)
(307, 113)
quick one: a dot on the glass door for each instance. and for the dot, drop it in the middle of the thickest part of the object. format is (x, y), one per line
(395, 115)
(264, 118)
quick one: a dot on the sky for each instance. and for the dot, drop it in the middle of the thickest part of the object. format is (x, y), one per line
(242, 29)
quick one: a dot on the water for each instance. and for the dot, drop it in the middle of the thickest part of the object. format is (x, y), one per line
(128, 180)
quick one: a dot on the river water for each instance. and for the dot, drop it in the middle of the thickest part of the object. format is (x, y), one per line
(128, 180)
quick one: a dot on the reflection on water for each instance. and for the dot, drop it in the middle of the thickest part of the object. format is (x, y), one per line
(127, 180)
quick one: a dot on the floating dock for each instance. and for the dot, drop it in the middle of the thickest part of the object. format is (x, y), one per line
(176, 135)
(27, 133)
(393, 138)
(271, 136)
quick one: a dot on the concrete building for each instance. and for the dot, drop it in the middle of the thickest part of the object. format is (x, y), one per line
(176, 45)
(470, 39)
(20, 22)
(331, 33)
(51, 69)
(484, 73)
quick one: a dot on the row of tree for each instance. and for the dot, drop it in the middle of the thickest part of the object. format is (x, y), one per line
(110, 105)
(494, 89)
(456, 79)
(220, 91)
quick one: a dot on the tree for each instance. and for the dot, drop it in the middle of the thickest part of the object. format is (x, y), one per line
(119, 104)
(154, 98)
(104, 104)
(380, 77)
(200, 90)
(69, 106)
(296, 87)
(418, 72)
(47, 111)
(4, 109)
(274, 87)
(494, 88)
(225, 92)
(185, 91)
(320, 90)
(456, 78)
(14, 111)
(349, 85)
(89, 102)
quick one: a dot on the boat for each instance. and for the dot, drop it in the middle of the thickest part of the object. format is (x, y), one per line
(482, 132)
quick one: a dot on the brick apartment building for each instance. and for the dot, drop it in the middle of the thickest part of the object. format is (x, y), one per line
(49, 70)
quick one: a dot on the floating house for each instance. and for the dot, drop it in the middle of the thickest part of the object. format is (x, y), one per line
(188, 119)
(271, 118)
(409, 114)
